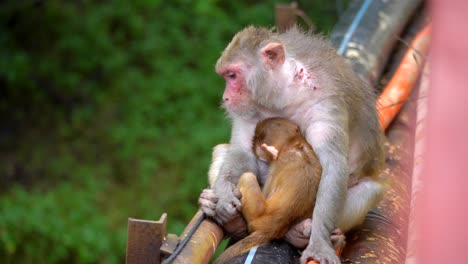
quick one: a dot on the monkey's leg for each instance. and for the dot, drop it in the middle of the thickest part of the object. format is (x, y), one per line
(253, 202)
(361, 197)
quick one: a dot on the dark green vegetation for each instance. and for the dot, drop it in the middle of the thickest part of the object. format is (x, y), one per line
(109, 110)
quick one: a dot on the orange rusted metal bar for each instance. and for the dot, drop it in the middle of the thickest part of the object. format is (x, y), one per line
(144, 239)
(398, 89)
(203, 243)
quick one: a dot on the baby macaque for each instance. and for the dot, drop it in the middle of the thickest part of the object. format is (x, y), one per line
(289, 193)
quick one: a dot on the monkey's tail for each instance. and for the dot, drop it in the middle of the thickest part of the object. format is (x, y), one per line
(253, 240)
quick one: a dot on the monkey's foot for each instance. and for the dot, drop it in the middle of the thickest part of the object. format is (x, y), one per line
(229, 204)
(299, 234)
(208, 200)
(323, 254)
(338, 239)
(237, 227)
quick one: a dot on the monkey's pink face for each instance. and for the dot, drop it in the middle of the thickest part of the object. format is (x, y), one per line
(236, 96)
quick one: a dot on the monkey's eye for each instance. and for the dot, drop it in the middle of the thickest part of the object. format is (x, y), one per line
(231, 75)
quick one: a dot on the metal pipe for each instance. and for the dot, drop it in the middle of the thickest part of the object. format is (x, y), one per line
(366, 33)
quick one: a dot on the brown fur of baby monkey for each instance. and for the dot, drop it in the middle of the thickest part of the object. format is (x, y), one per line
(289, 193)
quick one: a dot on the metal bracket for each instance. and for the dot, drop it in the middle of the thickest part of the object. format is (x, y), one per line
(144, 240)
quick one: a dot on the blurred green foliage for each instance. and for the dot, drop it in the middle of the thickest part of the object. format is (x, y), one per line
(109, 110)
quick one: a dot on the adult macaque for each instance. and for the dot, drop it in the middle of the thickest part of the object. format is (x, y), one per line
(288, 196)
(299, 76)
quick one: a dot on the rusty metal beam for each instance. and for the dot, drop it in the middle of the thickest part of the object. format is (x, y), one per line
(203, 243)
(144, 239)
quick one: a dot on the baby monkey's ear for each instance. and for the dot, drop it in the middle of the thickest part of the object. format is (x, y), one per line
(270, 149)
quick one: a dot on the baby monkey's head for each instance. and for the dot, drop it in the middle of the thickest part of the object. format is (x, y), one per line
(272, 135)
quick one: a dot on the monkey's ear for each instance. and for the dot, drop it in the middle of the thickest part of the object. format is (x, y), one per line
(270, 149)
(273, 54)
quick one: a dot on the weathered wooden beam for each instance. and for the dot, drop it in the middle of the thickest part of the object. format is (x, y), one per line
(144, 239)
